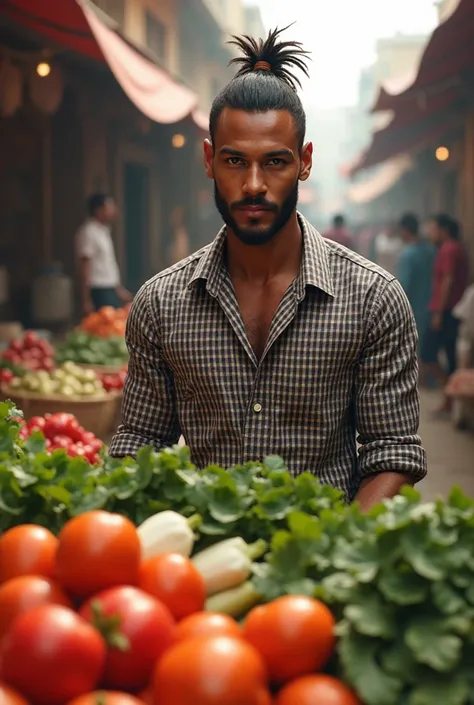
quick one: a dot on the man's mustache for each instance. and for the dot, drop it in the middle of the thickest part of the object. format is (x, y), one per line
(255, 202)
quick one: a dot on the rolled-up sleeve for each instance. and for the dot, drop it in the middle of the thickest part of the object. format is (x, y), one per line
(149, 412)
(387, 397)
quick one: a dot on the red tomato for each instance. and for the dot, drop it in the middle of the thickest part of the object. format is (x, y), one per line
(27, 550)
(52, 655)
(147, 626)
(211, 671)
(95, 443)
(61, 424)
(48, 364)
(61, 441)
(10, 697)
(30, 340)
(104, 697)
(294, 635)
(10, 356)
(36, 423)
(97, 550)
(6, 375)
(320, 689)
(21, 594)
(76, 450)
(207, 624)
(174, 580)
(16, 345)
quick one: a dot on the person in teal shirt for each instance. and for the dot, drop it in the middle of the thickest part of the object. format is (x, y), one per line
(415, 270)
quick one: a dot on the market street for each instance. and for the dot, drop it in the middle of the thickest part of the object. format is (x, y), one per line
(450, 453)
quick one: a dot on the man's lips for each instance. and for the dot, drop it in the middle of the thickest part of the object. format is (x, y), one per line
(254, 209)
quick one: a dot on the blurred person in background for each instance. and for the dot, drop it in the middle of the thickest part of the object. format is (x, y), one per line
(340, 233)
(388, 247)
(415, 270)
(99, 274)
(450, 280)
(180, 239)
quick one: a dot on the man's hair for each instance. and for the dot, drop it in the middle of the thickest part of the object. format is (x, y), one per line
(264, 80)
(450, 225)
(338, 221)
(96, 201)
(409, 222)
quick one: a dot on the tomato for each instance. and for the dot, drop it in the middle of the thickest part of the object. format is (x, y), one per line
(62, 424)
(30, 340)
(76, 450)
(27, 550)
(175, 581)
(211, 671)
(104, 697)
(52, 655)
(21, 594)
(97, 550)
(294, 634)
(10, 697)
(36, 423)
(6, 375)
(10, 356)
(321, 689)
(147, 626)
(61, 441)
(48, 364)
(207, 624)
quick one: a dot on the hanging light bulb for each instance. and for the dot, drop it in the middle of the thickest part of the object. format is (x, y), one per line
(178, 141)
(43, 69)
(442, 154)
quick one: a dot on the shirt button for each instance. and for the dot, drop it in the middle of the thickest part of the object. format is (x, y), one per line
(257, 408)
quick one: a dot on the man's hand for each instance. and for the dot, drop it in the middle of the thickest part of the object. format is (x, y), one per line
(437, 321)
(124, 295)
(376, 488)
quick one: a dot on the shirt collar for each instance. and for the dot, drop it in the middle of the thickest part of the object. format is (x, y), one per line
(315, 267)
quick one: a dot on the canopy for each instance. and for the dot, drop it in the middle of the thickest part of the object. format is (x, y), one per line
(386, 176)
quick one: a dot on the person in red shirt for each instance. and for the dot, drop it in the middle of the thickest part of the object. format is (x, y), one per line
(339, 232)
(450, 280)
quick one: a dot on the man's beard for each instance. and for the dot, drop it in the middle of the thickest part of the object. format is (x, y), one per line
(257, 235)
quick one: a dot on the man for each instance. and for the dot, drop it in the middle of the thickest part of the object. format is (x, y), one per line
(98, 269)
(415, 270)
(273, 339)
(450, 280)
(339, 232)
(387, 249)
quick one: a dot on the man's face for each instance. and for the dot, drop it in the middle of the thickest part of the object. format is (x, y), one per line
(109, 211)
(256, 164)
(434, 232)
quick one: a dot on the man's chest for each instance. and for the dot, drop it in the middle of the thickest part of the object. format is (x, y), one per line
(313, 348)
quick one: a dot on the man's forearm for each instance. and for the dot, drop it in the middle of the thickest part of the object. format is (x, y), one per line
(444, 293)
(85, 279)
(376, 488)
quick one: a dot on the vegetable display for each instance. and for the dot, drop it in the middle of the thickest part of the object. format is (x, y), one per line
(85, 348)
(30, 352)
(98, 616)
(106, 322)
(339, 606)
(69, 380)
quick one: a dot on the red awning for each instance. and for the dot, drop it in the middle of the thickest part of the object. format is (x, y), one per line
(75, 25)
(448, 53)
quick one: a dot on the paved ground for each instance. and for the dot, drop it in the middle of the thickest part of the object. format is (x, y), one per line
(450, 454)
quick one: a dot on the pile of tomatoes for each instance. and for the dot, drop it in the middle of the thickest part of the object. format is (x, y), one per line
(30, 352)
(107, 321)
(63, 430)
(84, 621)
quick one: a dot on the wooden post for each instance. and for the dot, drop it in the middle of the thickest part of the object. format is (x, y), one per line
(468, 185)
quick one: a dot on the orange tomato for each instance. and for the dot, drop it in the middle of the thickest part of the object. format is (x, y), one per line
(320, 689)
(97, 550)
(10, 697)
(107, 313)
(106, 697)
(21, 594)
(207, 624)
(174, 580)
(294, 634)
(27, 550)
(211, 671)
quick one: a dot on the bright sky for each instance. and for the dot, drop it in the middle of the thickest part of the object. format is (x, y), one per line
(341, 41)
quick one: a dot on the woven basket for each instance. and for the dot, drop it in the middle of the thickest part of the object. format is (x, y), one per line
(96, 414)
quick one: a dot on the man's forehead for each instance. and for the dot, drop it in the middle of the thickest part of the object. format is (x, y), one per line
(272, 126)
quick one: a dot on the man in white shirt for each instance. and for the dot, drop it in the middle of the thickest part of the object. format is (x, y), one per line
(98, 269)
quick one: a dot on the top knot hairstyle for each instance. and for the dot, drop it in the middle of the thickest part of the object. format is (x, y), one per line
(265, 80)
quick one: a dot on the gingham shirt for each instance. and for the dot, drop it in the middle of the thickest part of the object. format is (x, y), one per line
(340, 359)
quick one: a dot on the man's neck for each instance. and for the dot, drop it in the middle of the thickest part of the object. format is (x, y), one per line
(261, 263)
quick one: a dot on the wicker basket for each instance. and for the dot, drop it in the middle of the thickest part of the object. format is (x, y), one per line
(96, 414)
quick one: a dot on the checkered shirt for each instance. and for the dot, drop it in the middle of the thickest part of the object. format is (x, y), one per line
(340, 360)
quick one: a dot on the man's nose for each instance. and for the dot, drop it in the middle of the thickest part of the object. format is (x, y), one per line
(255, 182)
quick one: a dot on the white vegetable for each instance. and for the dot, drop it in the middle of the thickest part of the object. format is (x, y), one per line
(167, 532)
(234, 602)
(228, 564)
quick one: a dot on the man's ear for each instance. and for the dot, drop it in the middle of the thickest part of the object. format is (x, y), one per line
(208, 158)
(306, 161)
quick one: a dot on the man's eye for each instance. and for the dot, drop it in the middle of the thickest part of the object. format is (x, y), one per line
(234, 160)
(276, 162)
